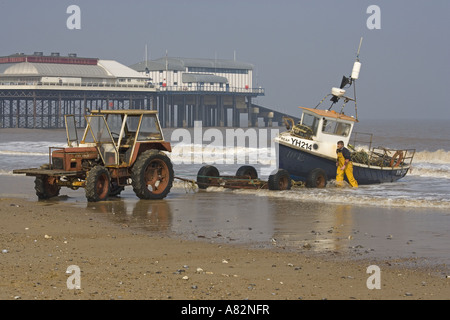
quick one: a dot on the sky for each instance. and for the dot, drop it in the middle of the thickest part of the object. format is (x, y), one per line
(299, 49)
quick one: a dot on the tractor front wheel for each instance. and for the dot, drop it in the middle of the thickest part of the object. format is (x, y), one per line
(46, 187)
(97, 184)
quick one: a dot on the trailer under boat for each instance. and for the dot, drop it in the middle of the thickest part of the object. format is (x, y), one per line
(246, 177)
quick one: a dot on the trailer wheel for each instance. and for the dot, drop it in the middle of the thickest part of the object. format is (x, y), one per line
(317, 178)
(152, 175)
(97, 184)
(46, 187)
(206, 175)
(281, 180)
(247, 171)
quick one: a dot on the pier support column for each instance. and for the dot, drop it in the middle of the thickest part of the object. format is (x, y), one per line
(220, 112)
(251, 122)
(166, 111)
(172, 112)
(235, 114)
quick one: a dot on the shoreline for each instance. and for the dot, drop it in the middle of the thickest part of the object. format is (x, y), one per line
(118, 261)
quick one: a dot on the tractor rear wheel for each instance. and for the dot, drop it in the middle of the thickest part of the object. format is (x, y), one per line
(97, 184)
(46, 187)
(152, 175)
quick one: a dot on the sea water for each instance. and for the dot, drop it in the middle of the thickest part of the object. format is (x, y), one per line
(427, 185)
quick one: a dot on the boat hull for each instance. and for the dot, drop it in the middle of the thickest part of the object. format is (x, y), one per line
(300, 163)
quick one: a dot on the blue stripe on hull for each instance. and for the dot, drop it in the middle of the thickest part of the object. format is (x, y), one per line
(299, 164)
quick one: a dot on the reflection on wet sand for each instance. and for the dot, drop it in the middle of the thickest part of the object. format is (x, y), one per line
(313, 226)
(153, 216)
(230, 217)
(235, 217)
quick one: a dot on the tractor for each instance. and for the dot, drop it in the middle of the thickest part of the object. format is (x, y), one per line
(119, 148)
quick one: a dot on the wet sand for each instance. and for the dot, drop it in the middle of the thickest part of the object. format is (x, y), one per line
(205, 246)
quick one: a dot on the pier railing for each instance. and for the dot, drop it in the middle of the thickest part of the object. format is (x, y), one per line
(211, 88)
(145, 86)
(74, 85)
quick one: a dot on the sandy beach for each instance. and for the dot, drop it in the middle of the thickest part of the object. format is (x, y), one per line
(119, 260)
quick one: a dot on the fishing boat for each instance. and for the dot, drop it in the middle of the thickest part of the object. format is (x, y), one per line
(307, 150)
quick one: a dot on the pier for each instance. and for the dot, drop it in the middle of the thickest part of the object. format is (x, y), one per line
(37, 90)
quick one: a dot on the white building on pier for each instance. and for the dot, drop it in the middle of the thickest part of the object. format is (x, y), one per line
(195, 74)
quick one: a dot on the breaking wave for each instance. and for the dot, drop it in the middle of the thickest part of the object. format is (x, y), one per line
(442, 171)
(22, 153)
(433, 164)
(27, 148)
(6, 172)
(438, 156)
(188, 154)
(355, 197)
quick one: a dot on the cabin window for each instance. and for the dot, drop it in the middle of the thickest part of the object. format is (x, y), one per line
(149, 129)
(311, 122)
(115, 124)
(336, 128)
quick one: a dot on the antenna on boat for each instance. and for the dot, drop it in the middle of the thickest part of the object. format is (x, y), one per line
(355, 75)
(359, 48)
(338, 93)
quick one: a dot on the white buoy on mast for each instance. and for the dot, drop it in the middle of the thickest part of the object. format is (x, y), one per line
(357, 64)
(355, 70)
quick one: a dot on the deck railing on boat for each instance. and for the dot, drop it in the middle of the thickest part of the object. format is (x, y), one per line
(378, 156)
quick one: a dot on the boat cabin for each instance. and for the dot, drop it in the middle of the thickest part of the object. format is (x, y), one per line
(326, 128)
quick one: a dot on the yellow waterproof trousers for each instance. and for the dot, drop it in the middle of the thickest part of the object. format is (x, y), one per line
(348, 171)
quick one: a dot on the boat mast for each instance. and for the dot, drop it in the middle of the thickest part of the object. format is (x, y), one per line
(338, 93)
(354, 80)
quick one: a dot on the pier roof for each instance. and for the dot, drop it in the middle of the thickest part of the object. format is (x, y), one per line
(54, 70)
(181, 64)
(57, 66)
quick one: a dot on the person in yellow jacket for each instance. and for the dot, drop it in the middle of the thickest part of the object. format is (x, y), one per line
(344, 165)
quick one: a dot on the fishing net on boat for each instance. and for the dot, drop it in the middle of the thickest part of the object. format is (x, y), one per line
(302, 131)
(380, 159)
(360, 156)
